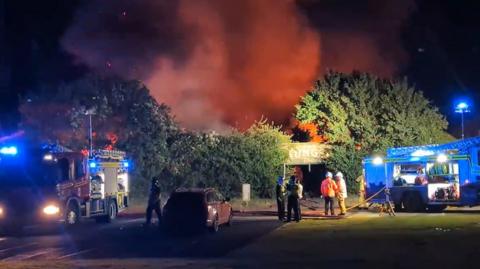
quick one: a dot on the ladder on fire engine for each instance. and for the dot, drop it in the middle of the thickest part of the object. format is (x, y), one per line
(461, 146)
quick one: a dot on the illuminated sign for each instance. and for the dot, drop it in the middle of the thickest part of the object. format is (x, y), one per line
(307, 153)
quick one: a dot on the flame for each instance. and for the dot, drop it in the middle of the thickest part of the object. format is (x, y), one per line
(312, 130)
(112, 139)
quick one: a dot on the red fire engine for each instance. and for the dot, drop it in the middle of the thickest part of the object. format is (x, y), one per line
(100, 188)
(54, 183)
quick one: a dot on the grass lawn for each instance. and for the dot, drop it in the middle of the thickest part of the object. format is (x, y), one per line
(366, 240)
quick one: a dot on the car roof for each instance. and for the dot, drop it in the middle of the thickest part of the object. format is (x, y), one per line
(194, 190)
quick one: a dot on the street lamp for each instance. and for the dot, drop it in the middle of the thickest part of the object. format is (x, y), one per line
(387, 205)
(462, 108)
(89, 113)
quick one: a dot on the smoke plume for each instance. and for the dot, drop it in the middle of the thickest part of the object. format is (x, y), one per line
(224, 63)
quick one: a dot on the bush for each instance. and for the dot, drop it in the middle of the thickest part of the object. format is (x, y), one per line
(227, 161)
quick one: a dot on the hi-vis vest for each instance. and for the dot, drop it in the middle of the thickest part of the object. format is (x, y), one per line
(294, 190)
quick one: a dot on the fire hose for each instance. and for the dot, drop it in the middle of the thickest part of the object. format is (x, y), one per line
(351, 207)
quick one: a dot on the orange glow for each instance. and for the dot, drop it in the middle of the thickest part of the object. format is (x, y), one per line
(312, 130)
(220, 63)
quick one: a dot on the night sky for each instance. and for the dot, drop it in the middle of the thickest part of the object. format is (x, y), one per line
(439, 44)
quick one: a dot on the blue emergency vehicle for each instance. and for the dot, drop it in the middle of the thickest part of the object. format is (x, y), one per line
(428, 177)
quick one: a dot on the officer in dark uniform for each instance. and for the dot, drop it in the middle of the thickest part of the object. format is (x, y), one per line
(281, 193)
(154, 201)
(293, 196)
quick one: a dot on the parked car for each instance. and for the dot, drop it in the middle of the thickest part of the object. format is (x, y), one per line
(197, 208)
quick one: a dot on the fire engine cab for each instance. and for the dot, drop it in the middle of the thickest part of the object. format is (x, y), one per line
(53, 183)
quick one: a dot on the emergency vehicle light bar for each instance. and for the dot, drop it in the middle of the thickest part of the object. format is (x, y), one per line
(109, 154)
(8, 150)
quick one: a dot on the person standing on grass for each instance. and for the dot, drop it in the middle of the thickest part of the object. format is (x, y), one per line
(361, 191)
(328, 190)
(154, 202)
(281, 193)
(300, 197)
(341, 193)
(292, 200)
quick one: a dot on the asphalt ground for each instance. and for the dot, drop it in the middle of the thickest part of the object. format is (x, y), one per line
(126, 238)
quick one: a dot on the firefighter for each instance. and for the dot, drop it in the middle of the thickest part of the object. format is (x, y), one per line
(293, 195)
(300, 197)
(154, 202)
(281, 193)
(341, 192)
(361, 191)
(328, 190)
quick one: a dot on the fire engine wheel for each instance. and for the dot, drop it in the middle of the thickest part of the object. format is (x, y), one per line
(72, 215)
(112, 211)
(436, 208)
(111, 214)
(398, 207)
(215, 225)
(413, 202)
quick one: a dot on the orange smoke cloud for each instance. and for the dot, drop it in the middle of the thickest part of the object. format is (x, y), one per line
(224, 63)
(251, 59)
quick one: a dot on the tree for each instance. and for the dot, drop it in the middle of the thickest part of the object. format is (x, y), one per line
(126, 117)
(227, 161)
(361, 114)
(265, 144)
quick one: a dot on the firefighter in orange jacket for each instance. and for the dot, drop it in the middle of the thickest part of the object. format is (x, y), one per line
(328, 189)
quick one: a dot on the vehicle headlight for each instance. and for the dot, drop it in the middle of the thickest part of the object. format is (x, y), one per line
(1, 211)
(51, 210)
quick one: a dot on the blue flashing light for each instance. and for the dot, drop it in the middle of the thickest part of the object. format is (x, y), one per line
(92, 165)
(9, 150)
(462, 107)
(126, 164)
(422, 153)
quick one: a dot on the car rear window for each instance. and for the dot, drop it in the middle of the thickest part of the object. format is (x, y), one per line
(187, 198)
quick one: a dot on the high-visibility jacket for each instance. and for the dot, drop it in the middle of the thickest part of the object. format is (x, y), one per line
(328, 188)
(300, 191)
(342, 187)
(295, 190)
(280, 191)
(361, 183)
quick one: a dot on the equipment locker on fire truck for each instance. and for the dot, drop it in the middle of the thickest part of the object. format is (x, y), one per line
(428, 177)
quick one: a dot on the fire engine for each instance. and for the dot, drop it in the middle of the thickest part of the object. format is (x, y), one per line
(427, 177)
(52, 183)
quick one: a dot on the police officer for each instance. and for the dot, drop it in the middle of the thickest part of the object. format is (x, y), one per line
(280, 192)
(293, 196)
(154, 201)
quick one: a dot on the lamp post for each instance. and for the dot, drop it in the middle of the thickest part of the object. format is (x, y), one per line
(89, 113)
(462, 108)
(387, 205)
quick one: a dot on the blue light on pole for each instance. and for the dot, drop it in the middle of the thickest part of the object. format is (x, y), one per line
(9, 150)
(462, 108)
